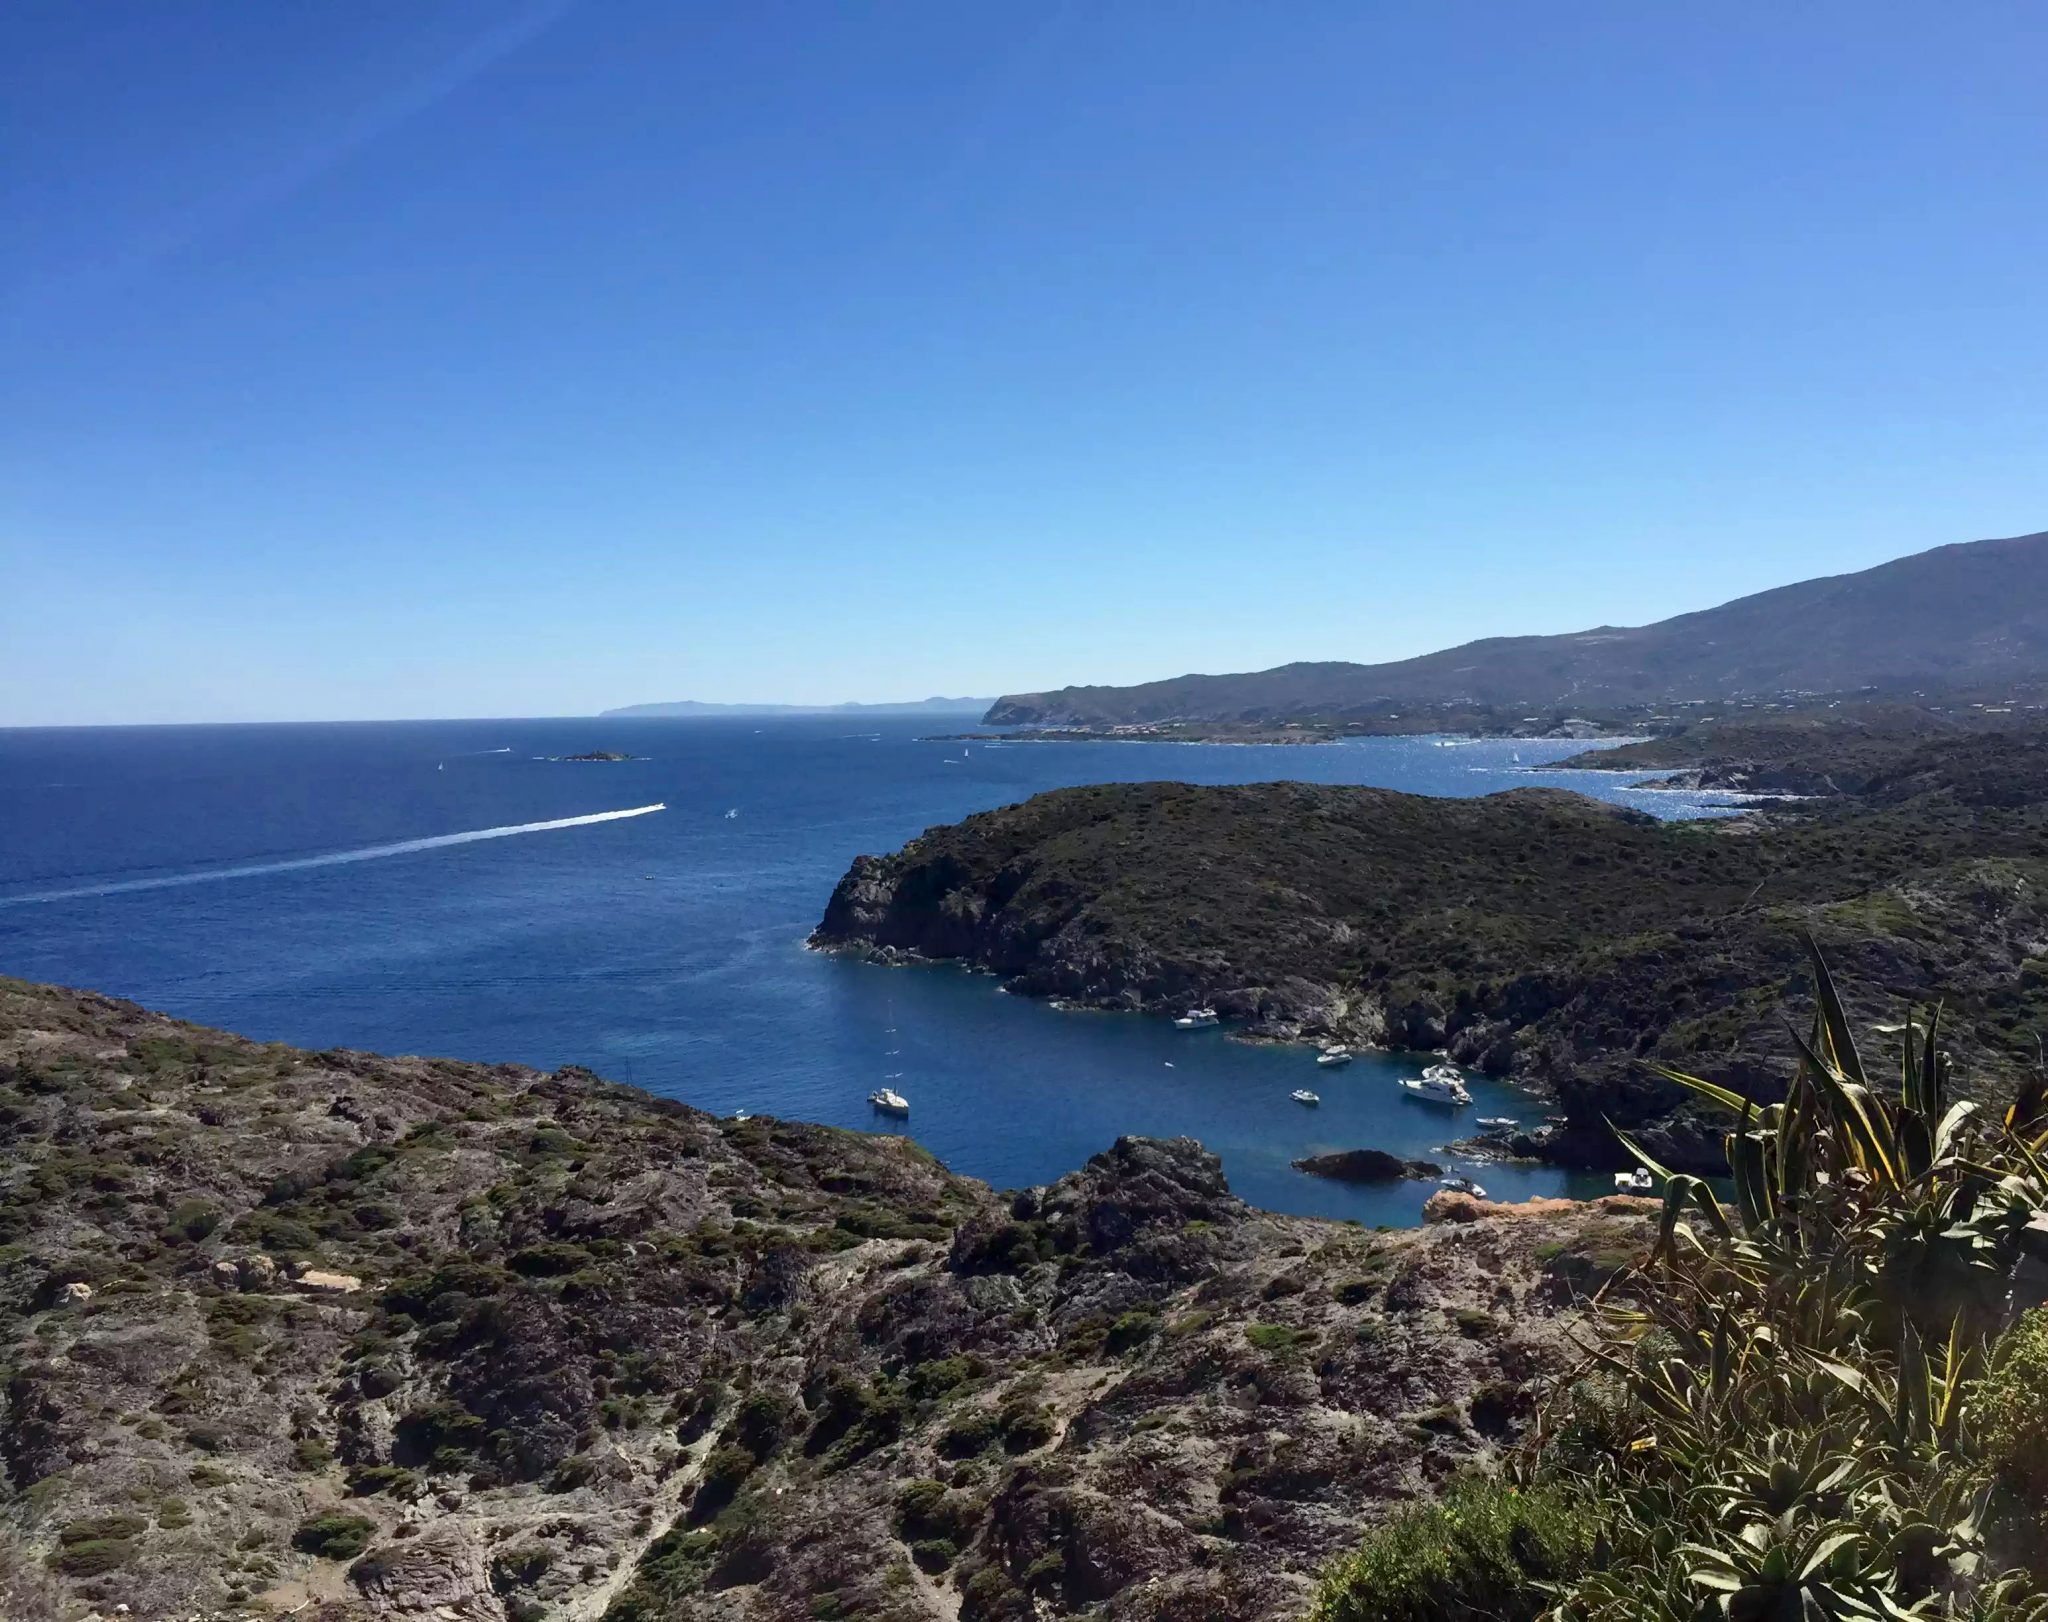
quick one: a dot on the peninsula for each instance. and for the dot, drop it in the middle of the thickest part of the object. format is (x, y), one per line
(1535, 934)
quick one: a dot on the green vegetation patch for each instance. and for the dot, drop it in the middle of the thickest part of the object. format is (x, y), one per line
(334, 1535)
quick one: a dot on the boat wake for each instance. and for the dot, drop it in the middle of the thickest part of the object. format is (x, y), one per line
(368, 853)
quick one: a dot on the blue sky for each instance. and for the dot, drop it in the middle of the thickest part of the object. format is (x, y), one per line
(387, 360)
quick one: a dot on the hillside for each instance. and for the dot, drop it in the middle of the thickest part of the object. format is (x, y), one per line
(1535, 934)
(1972, 614)
(339, 1337)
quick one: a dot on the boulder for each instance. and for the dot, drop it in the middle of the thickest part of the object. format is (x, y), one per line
(315, 1282)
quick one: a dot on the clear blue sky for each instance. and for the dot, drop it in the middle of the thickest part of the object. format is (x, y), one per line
(389, 359)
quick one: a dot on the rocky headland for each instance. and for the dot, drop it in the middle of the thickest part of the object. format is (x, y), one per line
(337, 1336)
(1535, 934)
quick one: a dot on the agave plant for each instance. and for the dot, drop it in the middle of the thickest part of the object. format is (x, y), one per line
(1796, 1361)
(1778, 1421)
(1920, 1191)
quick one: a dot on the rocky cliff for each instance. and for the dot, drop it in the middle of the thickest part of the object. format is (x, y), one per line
(340, 1337)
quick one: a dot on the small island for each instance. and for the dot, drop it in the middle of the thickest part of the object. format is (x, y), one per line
(607, 755)
(1368, 1166)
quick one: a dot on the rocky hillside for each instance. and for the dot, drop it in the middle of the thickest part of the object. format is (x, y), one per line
(1956, 616)
(1535, 934)
(338, 1336)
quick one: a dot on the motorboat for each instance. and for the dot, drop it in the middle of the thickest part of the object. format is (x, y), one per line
(1301, 1095)
(1464, 1185)
(1439, 1084)
(1330, 1058)
(889, 1101)
(1638, 1181)
(1498, 1123)
(1196, 1019)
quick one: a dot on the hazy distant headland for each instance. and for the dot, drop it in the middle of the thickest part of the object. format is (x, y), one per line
(920, 706)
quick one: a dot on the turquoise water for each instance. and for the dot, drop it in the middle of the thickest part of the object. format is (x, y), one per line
(247, 877)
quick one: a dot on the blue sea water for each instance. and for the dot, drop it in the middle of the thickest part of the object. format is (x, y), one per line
(305, 884)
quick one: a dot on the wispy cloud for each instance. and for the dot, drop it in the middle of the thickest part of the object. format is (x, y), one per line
(294, 170)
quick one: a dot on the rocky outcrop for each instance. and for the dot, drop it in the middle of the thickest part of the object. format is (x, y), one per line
(608, 1356)
(1367, 1166)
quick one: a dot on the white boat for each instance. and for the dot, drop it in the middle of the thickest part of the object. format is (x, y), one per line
(1435, 1086)
(1638, 1181)
(1498, 1123)
(1301, 1095)
(735, 811)
(1195, 1019)
(1330, 1058)
(1464, 1185)
(889, 1101)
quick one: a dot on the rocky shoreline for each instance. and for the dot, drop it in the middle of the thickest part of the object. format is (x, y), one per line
(1534, 935)
(347, 1337)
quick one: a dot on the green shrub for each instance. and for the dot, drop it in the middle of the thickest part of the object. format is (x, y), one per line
(334, 1536)
(725, 1472)
(93, 1557)
(929, 1512)
(1278, 1337)
(942, 1375)
(98, 1528)
(1131, 1329)
(968, 1435)
(1479, 1555)
(764, 1420)
(192, 1220)
(368, 1480)
(2010, 1409)
(555, 1258)
(1024, 1424)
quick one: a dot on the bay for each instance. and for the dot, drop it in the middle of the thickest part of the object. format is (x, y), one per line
(387, 886)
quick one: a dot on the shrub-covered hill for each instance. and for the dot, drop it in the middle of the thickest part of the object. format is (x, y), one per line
(1881, 753)
(341, 1336)
(1536, 934)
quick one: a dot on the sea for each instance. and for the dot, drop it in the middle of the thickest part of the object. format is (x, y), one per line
(454, 888)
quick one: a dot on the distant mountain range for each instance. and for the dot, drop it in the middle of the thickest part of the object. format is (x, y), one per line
(1974, 614)
(921, 706)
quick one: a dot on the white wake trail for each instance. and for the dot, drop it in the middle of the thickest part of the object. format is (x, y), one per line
(368, 853)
